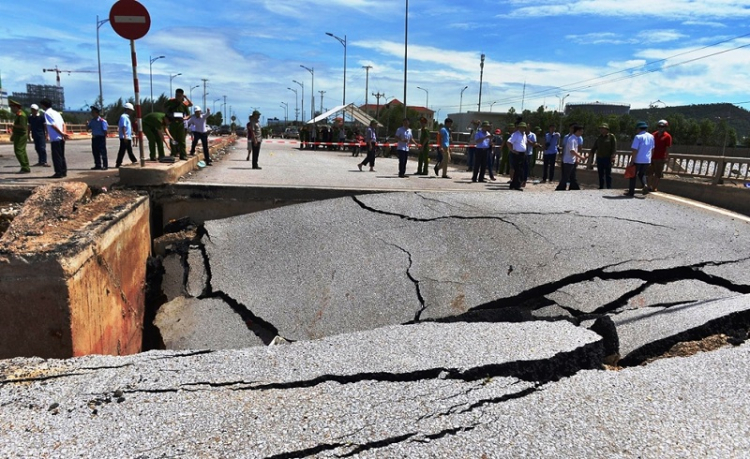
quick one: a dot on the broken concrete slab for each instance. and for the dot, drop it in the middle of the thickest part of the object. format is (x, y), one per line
(677, 292)
(186, 323)
(173, 282)
(425, 390)
(197, 277)
(651, 331)
(589, 296)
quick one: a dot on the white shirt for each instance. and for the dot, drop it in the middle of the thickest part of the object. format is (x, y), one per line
(644, 144)
(570, 145)
(531, 138)
(403, 134)
(52, 117)
(518, 141)
(198, 123)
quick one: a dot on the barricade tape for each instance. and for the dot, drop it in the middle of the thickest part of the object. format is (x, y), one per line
(340, 144)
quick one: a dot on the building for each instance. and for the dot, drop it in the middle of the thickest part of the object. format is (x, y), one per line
(374, 109)
(599, 108)
(36, 92)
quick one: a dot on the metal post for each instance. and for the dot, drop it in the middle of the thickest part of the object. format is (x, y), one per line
(301, 85)
(343, 43)
(406, 47)
(151, 78)
(296, 108)
(312, 90)
(99, 60)
(481, 77)
(461, 100)
(367, 81)
(137, 89)
(205, 80)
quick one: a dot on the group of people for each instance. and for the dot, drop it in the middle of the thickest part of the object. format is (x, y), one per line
(515, 153)
(44, 127)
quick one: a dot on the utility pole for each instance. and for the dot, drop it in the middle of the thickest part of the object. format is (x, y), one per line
(225, 117)
(321, 100)
(204, 80)
(367, 81)
(481, 77)
(378, 95)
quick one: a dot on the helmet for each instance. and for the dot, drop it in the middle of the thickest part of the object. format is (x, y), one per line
(662, 123)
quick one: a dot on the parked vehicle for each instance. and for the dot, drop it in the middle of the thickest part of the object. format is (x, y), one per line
(240, 131)
(224, 130)
(291, 133)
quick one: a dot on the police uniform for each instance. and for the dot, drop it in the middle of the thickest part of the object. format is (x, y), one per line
(20, 136)
(174, 109)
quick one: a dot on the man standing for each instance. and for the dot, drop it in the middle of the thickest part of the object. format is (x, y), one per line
(660, 155)
(424, 148)
(177, 110)
(517, 147)
(197, 122)
(551, 143)
(530, 155)
(98, 127)
(572, 154)
(56, 134)
(444, 147)
(38, 132)
(470, 150)
(482, 149)
(605, 148)
(641, 148)
(125, 132)
(155, 125)
(371, 138)
(404, 137)
(254, 138)
(19, 136)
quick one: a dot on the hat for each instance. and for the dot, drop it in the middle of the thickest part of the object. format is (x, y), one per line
(255, 113)
(373, 122)
(662, 123)
(521, 124)
(128, 106)
(604, 126)
(94, 108)
(197, 108)
(641, 125)
(13, 102)
(34, 107)
(485, 123)
(498, 131)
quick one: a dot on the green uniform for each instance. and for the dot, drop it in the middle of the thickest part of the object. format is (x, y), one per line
(505, 158)
(424, 152)
(177, 126)
(152, 124)
(20, 136)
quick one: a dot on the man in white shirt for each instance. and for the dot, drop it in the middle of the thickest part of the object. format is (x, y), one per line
(125, 132)
(197, 124)
(404, 137)
(56, 133)
(572, 155)
(517, 147)
(641, 148)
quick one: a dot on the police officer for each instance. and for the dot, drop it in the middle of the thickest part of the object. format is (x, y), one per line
(19, 135)
(177, 111)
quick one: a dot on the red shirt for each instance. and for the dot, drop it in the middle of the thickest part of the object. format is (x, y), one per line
(661, 143)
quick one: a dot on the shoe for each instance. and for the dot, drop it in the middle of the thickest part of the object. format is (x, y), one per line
(38, 164)
(96, 168)
(105, 168)
(446, 176)
(24, 171)
(59, 176)
(248, 158)
(257, 167)
(372, 170)
(482, 181)
(133, 162)
(210, 163)
(182, 158)
(360, 167)
(473, 180)
(560, 189)
(628, 193)
(654, 190)
(46, 165)
(436, 169)
(493, 179)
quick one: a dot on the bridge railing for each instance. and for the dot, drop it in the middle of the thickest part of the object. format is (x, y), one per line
(716, 168)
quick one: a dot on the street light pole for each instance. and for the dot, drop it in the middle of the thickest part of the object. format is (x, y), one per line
(301, 85)
(312, 90)
(172, 77)
(296, 107)
(427, 93)
(560, 109)
(285, 106)
(191, 96)
(406, 47)
(151, 78)
(99, 59)
(343, 43)
(367, 82)
(461, 100)
(481, 77)
(321, 99)
(216, 100)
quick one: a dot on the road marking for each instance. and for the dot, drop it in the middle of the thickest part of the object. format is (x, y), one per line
(700, 205)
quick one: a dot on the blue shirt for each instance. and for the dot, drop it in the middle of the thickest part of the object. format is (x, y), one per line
(531, 140)
(482, 139)
(36, 126)
(125, 128)
(643, 143)
(445, 137)
(571, 144)
(403, 134)
(98, 126)
(552, 140)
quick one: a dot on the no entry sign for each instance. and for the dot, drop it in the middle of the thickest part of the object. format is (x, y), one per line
(129, 19)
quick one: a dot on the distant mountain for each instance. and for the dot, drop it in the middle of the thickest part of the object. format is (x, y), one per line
(739, 118)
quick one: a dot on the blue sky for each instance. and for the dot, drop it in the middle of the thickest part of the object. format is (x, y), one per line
(631, 52)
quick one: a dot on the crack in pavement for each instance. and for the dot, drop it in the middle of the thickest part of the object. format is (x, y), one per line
(420, 298)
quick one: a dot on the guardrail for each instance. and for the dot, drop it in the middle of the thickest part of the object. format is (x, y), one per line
(716, 168)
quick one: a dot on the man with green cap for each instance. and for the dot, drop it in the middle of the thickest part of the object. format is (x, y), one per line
(254, 138)
(424, 147)
(155, 125)
(605, 147)
(20, 135)
(177, 111)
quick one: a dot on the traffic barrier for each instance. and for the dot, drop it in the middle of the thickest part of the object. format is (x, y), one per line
(338, 144)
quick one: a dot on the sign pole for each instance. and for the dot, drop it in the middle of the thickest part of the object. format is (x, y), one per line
(136, 87)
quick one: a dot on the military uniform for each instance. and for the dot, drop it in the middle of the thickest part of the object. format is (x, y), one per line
(177, 126)
(20, 136)
(152, 124)
(424, 151)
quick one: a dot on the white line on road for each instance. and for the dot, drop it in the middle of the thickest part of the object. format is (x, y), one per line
(700, 205)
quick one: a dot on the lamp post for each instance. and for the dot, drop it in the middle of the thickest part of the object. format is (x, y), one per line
(312, 90)
(172, 77)
(493, 103)
(343, 43)
(321, 99)
(406, 48)
(481, 77)
(99, 59)
(285, 106)
(461, 100)
(427, 94)
(560, 109)
(215, 100)
(301, 85)
(296, 108)
(151, 60)
(191, 95)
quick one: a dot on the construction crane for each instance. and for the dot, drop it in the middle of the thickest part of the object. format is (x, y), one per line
(58, 71)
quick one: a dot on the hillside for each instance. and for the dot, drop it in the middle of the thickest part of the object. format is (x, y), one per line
(739, 118)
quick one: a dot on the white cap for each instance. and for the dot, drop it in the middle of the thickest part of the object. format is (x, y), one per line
(129, 106)
(662, 123)
(197, 108)
(34, 107)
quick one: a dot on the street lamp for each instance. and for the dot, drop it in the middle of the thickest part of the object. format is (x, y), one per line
(296, 108)
(493, 103)
(172, 77)
(427, 94)
(461, 100)
(343, 43)
(151, 60)
(285, 106)
(216, 100)
(301, 85)
(481, 77)
(99, 59)
(191, 93)
(312, 90)
(560, 109)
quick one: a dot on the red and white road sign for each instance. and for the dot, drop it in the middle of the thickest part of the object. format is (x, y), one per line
(130, 19)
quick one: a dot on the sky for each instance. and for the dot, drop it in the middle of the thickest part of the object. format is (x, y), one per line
(537, 53)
